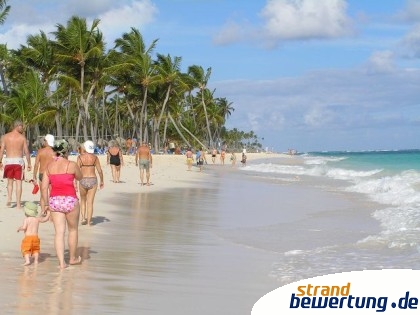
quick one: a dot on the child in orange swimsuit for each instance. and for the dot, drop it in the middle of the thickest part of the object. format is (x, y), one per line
(31, 244)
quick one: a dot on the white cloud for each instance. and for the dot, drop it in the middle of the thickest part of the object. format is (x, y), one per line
(284, 20)
(115, 22)
(318, 117)
(305, 19)
(381, 62)
(230, 32)
(116, 17)
(410, 44)
(325, 104)
(411, 11)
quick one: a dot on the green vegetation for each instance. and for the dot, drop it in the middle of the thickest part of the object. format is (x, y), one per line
(70, 85)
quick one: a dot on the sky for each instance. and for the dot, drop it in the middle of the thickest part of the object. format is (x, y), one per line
(309, 75)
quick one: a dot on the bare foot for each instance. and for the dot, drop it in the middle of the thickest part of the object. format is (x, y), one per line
(8, 204)
(27, 263)
(76, 261)
(62, 267)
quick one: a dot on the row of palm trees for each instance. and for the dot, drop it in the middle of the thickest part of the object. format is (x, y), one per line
(70, 85)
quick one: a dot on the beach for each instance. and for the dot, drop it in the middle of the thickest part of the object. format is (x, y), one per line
(210, 242)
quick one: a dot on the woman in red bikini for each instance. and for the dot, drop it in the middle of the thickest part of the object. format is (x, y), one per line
(62, 202)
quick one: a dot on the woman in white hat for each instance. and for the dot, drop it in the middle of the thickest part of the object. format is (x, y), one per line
(89, 165)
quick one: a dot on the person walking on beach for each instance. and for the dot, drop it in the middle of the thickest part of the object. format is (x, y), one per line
(233, 158)
(63, 203)
(89, 164)
(213, 155)
(16, 146)
(128, 144)
(144, 161)
(115, 159)
(243, 161)
(44, 156)
(222, 157)
(190, 158)
(201, 159)
(31, 244)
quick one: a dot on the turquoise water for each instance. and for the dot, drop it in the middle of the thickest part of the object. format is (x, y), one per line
(385, 187)
(389, 161)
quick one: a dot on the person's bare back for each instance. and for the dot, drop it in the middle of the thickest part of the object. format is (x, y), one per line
(31, 224)
(44, 156)
(15, 145)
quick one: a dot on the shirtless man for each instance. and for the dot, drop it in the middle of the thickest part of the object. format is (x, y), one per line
(16, 146)
(144, 161)
(44, 156)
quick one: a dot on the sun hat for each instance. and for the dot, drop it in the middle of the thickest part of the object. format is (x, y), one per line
(50, 140)
(31, 209)
(89, 146)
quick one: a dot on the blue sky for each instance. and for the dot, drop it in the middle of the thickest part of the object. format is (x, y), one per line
(304, 74)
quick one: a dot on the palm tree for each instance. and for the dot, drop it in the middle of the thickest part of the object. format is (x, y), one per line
(172, 83)
(39, 56)
(76, 46)
(4, 11)
(141, 73)
(29, 103)
(201, 79)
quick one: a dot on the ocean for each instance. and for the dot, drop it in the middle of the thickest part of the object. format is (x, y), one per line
(372, 221)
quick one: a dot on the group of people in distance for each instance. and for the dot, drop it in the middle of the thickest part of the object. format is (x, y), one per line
(58, 177)
(201, 157)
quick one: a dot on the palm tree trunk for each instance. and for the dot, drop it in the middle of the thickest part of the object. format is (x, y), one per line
(207, 119)
(179, 131)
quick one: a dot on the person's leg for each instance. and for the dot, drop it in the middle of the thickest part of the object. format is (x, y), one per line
(9, 191)
(18, 194)
(117, 173)
(141, 175)
(27, 260)
(72, 219)
(114, 173)
(83, 201)
(90, 197)
(36, 257)
(59, 220)
(147, 175)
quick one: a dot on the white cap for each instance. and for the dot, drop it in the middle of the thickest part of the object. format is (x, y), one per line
(89, 146)
(50, 140)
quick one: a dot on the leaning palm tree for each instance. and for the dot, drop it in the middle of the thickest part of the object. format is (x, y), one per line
(201, 78)
(172, 83)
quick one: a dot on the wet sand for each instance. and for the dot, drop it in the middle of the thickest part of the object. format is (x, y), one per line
(192, 243)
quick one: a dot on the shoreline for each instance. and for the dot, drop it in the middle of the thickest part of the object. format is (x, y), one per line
(204, 242)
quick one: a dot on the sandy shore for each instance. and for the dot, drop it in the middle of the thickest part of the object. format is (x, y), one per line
(153, 249)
